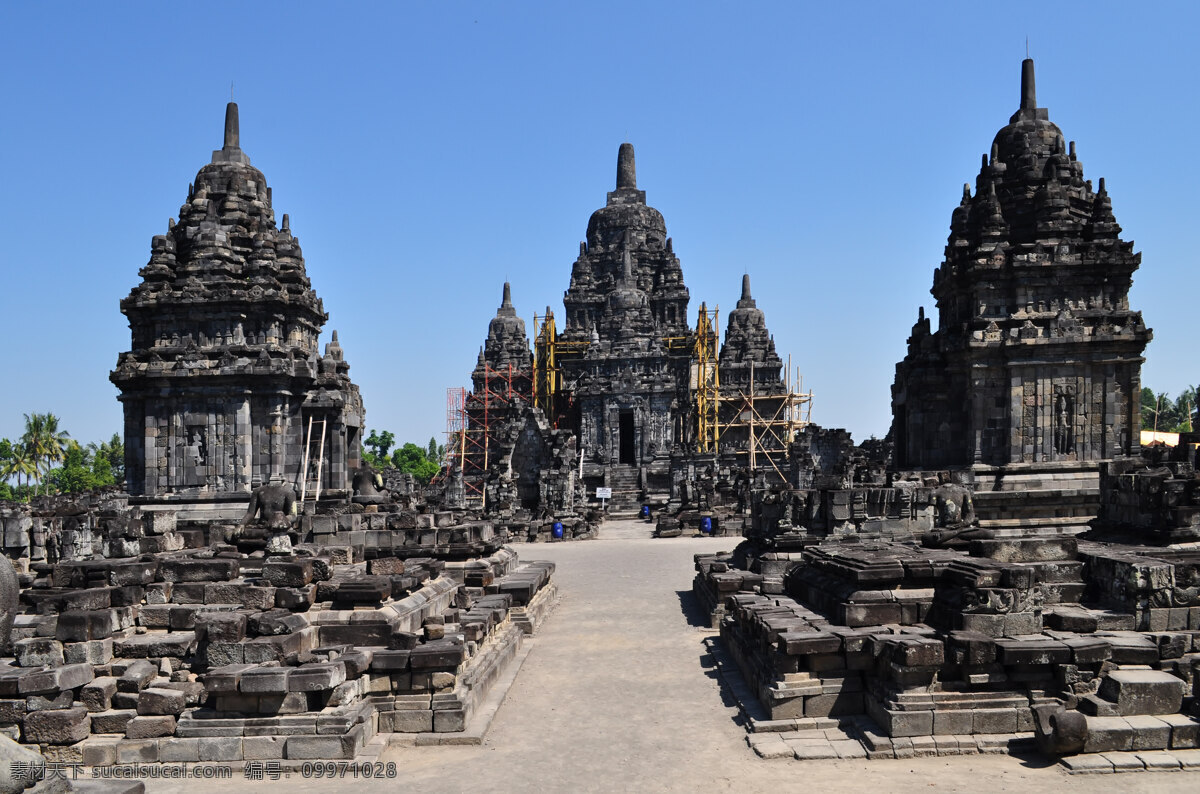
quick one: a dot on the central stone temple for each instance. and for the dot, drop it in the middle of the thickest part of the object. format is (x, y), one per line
(224, 388)
(628, 304)
(1032, 377)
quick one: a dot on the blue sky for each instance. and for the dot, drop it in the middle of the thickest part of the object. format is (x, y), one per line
(426, 152)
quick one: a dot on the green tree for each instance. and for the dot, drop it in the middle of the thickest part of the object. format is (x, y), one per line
(113, 451)
(16, 463)
(411, 459)
(76, 474)
(380, 443)
(44, 442)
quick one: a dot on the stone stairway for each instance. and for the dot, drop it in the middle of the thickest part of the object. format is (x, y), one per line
(626, 488)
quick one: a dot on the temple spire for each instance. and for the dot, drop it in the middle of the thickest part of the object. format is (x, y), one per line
(626, 171)
(746, 287)
(506, 306)
(231, 127)
(1028, 88)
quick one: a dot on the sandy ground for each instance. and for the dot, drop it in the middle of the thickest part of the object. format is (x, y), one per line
(619, 694)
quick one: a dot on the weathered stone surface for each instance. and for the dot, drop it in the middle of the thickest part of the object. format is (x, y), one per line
(226, 314)
(156, 701)
(59, 726)
(150, 727)
(1142, 691)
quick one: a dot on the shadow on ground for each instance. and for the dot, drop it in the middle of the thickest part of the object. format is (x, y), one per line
(690, 606)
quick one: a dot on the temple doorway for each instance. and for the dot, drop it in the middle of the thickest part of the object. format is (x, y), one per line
(626, 454)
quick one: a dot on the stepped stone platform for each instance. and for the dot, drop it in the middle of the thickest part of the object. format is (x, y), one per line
(140, 647)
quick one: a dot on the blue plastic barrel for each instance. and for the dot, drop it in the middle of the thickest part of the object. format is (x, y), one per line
(556, 529)
(705, 524)
(646, 512)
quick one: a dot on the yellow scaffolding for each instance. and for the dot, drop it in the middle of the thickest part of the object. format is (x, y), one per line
(772, 420)
(549, 351)
(706, 381)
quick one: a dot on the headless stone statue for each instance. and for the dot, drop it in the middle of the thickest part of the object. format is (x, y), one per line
(10, 592)
(956, 523)
(368, 486)
(273, 508)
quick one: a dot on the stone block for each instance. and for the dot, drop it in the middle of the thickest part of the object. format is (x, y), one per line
(289, 573)
(263, 748)
(112, 721)
(179, 750)
(99, 750)
(93, 652)
(1108, 734)
(62, 700)
(38, 652)
(215, 569)
(1149, 733)
(1185, 731)
(221, 626)
(449, 721)
(158, 593)
(97, 695)
(265, 680)
(177, 644)
(136, 676)
(1142, 691)
(412, 721)
(69, 676)
(58, 726)
(156, 701)
(150, 727)
(220, 748)
(316, 677)
(136, 751)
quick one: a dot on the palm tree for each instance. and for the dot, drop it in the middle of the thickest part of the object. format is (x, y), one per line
(15, 462)
(44, 442)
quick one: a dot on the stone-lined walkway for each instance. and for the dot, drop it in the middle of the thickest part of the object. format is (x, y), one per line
(619, 693)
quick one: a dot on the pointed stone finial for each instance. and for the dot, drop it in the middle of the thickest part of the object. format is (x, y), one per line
(231, 126)
(1102, 189)
(287, 223)
(335, 336)
(583, 247)
(626, 171)
(920, 313)
(746, 286)
(966, 192)
(1071, 151)
(1028, 89)
(506, 303)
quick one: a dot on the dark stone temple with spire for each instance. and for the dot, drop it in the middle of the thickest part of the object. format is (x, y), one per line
(626, 370)
(1033, 374)
(223, 378)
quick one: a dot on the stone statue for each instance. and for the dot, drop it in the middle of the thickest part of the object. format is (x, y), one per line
(955, 521)
(273, 507)
(10, 592)
(368, 486)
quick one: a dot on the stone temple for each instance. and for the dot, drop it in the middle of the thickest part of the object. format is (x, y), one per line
(1032, 376)
(223, 384)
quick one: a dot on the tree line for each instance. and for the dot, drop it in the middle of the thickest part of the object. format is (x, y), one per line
(422, 463)
(28, 465)
(1164, 415)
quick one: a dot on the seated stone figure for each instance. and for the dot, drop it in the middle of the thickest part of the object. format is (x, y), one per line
(955, 520)
(368, 486)
(273, 508)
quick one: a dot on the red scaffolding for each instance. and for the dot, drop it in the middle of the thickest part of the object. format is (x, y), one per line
(469, 425)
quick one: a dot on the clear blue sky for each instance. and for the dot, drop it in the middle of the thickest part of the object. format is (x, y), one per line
(428, 151)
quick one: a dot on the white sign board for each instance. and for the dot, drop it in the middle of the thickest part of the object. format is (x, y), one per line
(604, 493)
